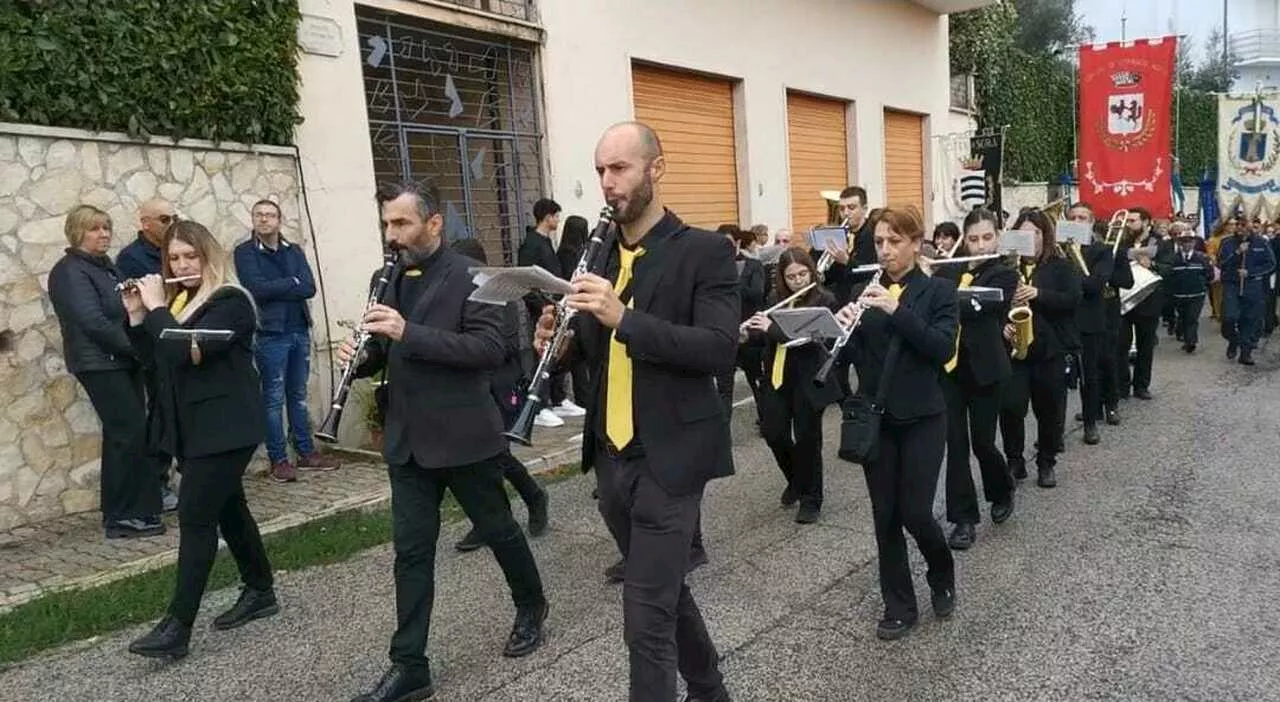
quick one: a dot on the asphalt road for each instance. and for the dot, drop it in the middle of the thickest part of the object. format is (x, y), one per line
(1150, 573)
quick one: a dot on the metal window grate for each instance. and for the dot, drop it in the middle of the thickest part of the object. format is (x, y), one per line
(524, 10)
(460, 109)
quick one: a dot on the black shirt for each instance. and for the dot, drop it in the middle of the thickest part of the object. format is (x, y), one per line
(414, 278)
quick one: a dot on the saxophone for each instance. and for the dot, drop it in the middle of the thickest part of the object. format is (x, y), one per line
(1023, 332)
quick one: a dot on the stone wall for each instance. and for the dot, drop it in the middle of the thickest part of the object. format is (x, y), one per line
(49, 433)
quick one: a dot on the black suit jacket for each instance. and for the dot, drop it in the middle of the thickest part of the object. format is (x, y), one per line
(840, 279)
(926, 320)
(802, 362)
(213, 407)
(537, 250)
(983, 356)
(440, 412)
(1059, 284)
(681, 331)
(1091, 316)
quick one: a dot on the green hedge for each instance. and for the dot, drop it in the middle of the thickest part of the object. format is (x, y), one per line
(224, 70)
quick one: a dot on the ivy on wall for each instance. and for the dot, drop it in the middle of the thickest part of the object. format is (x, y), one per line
(224, 70)
(1033, 95)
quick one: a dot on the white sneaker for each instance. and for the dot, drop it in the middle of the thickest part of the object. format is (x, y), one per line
(547, 418)
(568, 409)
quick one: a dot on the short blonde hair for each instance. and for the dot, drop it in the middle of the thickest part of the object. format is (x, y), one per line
(82, 220)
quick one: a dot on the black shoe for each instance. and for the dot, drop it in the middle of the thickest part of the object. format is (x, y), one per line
(1079, 416)
(1231, 350)
(789, 496)
(1246, 357)
(135, 528)
(1018, 469)
(891, 629)
(526, 633)
(1046, 477)
(808, 514)
(595, 493)
(697, 559)
(471, 542)
(252, 604)
(962, 537)
(1143, 394)
(400, 685)
(538, 517)
(168, 639)
(1113, 417)
(944, 602)
(1189, 348)
(721, 695)
(1091, 436)
(1001, 511)
(616, 573)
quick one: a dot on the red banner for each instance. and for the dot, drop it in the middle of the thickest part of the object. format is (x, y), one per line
(1126, 109)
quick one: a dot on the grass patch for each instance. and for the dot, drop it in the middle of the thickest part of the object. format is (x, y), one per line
(74, 615)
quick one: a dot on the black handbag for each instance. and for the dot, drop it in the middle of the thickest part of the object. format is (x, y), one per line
(860, 416)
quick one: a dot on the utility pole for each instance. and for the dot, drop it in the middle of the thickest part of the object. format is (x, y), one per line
(1124, 20)
(1225, 53)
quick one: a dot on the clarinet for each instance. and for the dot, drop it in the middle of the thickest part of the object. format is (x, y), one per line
(522, 429)
(328, 431)
(843, 339)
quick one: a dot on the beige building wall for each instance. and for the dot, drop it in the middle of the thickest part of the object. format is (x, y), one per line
(875, 54)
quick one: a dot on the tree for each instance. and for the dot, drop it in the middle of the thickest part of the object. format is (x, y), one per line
(1186, 67)
(1216, 74)
(1047, 27)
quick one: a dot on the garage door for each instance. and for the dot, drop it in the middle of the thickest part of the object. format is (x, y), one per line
(818, 154)
(904, 159)
(693, 116)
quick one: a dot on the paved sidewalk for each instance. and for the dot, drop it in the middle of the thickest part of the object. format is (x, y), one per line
(72, 552)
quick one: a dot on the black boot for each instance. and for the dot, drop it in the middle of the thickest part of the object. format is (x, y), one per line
(1246, 357)
(399, 684)
(1046, 477)
(252, 604)
(1002, 510)
(1018, 468)
(1113, 416)
(526, 633)
(808, 513)
(168, 639)
(1091, 436)
(1231, 349)
(962, 537)
(471, 542)
(616, 573)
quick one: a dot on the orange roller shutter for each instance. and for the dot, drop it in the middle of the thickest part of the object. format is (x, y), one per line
(693, 116)
(904, 159)
(818, 154)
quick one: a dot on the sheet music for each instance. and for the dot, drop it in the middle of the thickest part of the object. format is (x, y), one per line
(1078, 232)
(499, 285)
(1024, 243)
(811, 322)
(981, 294)
(197, 334)
(823, 238)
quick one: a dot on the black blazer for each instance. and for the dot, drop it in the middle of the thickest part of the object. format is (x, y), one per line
(682, 330)
(983, 356)
(1091, 316)
(91, 316)
(840, 279)
(1060, 285)
(214, 407)
(926, 320)
(440, 412)
(537, 250)
(802, 363)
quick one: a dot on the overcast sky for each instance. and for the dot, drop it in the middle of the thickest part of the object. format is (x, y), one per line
(1149, 18)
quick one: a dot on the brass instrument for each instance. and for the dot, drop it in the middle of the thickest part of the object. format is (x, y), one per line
(1023, 331)
(826, 259)
(521, 430)
(328, 431)
(1072, 250)
(1115, 230)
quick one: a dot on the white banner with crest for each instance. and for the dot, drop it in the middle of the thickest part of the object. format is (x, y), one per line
(1249, 156)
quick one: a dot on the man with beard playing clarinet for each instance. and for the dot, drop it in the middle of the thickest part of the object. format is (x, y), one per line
(657, 319)
(443, 430)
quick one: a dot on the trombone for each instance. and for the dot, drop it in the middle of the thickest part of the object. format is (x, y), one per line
(1115, 230)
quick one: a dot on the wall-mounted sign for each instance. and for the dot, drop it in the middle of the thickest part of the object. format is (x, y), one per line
(320, 35)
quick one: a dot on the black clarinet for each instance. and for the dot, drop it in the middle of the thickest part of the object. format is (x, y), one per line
(521, 430)
(328, 431)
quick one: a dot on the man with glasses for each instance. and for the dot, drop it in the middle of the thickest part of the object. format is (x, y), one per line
(275, 271)
(140, 258)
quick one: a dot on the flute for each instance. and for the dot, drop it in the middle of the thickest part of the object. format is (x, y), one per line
(838, 346)
(964, 259)
(133, 282)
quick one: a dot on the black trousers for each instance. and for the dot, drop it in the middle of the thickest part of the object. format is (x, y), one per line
(793, 431)
(1242, 315)
(662, 625)
(1091, 353)
(751, 361)
(513, 470)
(902, 482)
(129, 489)
(1042, 384)
(1142, 331)
(163, 461)
(211, 499)
(416, 494)
(580, 374)
(1189, 309)
(1111, 355)
(972, 413)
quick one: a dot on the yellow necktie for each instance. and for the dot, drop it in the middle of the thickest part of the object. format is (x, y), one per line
(179, 303)
(779, 363)
(618, 423)
(895, 291)
(965, 281)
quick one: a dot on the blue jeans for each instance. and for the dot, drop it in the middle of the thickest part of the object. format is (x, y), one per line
(284, 362)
